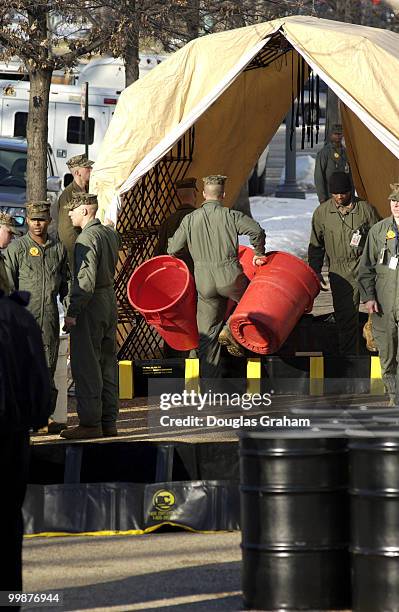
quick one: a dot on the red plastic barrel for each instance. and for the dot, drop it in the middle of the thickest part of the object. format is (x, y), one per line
(163, 290)
(245, 256)
(282, 290)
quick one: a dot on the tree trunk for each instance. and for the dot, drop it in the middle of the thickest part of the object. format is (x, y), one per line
(37, 134)
(193, 19)
(131, 59)
(131, 51)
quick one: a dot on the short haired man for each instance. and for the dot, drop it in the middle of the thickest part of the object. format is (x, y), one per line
(339, 230)
(379, 290)
(211, 235)
(8, 230)
(38, 264)
(186, 190)
(331, 158)
(91, 319)
(80, 167)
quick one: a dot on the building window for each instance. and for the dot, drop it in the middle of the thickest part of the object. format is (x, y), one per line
(20, 121)
(76, 130)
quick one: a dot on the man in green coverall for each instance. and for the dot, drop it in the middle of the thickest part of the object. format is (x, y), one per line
(91, 319)
(331, 158)
(378, 283)
(80, 168)
(38, 264)
(7, 231)
(211, 234)
(186, 190)
(339, 231)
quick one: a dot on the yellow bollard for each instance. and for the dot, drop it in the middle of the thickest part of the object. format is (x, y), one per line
(191, 375)
(376, 384)
(316, 376)
(254, 368)
(126, 387)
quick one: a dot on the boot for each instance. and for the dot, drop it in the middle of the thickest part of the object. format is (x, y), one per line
(109, 430)
(54, 427)
(226, 339)
(82, 433)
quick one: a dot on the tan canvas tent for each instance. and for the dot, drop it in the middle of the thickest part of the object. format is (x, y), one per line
(221, 86)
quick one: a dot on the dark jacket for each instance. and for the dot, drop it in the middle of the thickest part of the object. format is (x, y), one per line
(24, 379)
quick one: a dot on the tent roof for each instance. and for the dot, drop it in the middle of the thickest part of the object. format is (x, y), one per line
(360, 63)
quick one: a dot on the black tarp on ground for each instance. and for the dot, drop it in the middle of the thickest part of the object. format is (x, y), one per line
(129, 507)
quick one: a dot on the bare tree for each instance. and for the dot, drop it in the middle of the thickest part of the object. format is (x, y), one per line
(48, 35)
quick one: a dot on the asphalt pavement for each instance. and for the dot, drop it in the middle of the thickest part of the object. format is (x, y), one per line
(175, 571)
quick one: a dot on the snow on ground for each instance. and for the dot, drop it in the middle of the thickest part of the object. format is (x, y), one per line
(305, 165)
(286, 221)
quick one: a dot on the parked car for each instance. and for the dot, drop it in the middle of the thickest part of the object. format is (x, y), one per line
(13, 160)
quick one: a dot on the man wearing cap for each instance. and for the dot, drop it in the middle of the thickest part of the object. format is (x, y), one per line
(39, 265)
(211, 235)
(186, 190)
(7, 231)
(378, 282)
(91, 320)
(331, 158)
(80, 168)
(339, 231)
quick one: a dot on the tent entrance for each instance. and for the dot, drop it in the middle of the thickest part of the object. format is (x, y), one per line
(144, 208)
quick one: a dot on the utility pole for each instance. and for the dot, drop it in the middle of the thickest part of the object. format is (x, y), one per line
(290, 188)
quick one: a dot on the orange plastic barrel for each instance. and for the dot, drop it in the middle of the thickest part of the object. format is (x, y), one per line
(163, 291)
(282, 290)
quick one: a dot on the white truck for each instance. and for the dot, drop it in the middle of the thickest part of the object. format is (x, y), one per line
(66, 127)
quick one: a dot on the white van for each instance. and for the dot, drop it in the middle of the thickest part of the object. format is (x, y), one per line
(66, 127)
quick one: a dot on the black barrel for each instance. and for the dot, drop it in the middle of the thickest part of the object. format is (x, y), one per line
(294, 520)
(374, 491)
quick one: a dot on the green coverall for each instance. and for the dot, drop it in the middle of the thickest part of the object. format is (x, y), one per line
(211, 234)
(67, 233)
(329, 159)
(93, 338)
(4, 284)
(43, 271)
(331, 235)
(378, 282)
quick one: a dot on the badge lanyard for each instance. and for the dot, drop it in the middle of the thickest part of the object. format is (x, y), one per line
(393, 262)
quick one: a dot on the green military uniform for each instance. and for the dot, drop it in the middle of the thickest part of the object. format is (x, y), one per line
(67, 233)
(331, 158)
(9, 222)
(377, 281)
(4, 284)
(332, 232)
(42, 270)
(211, 234)
(93, 338)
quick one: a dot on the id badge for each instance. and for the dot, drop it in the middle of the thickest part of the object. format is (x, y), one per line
(393, 262)
(356, 238)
